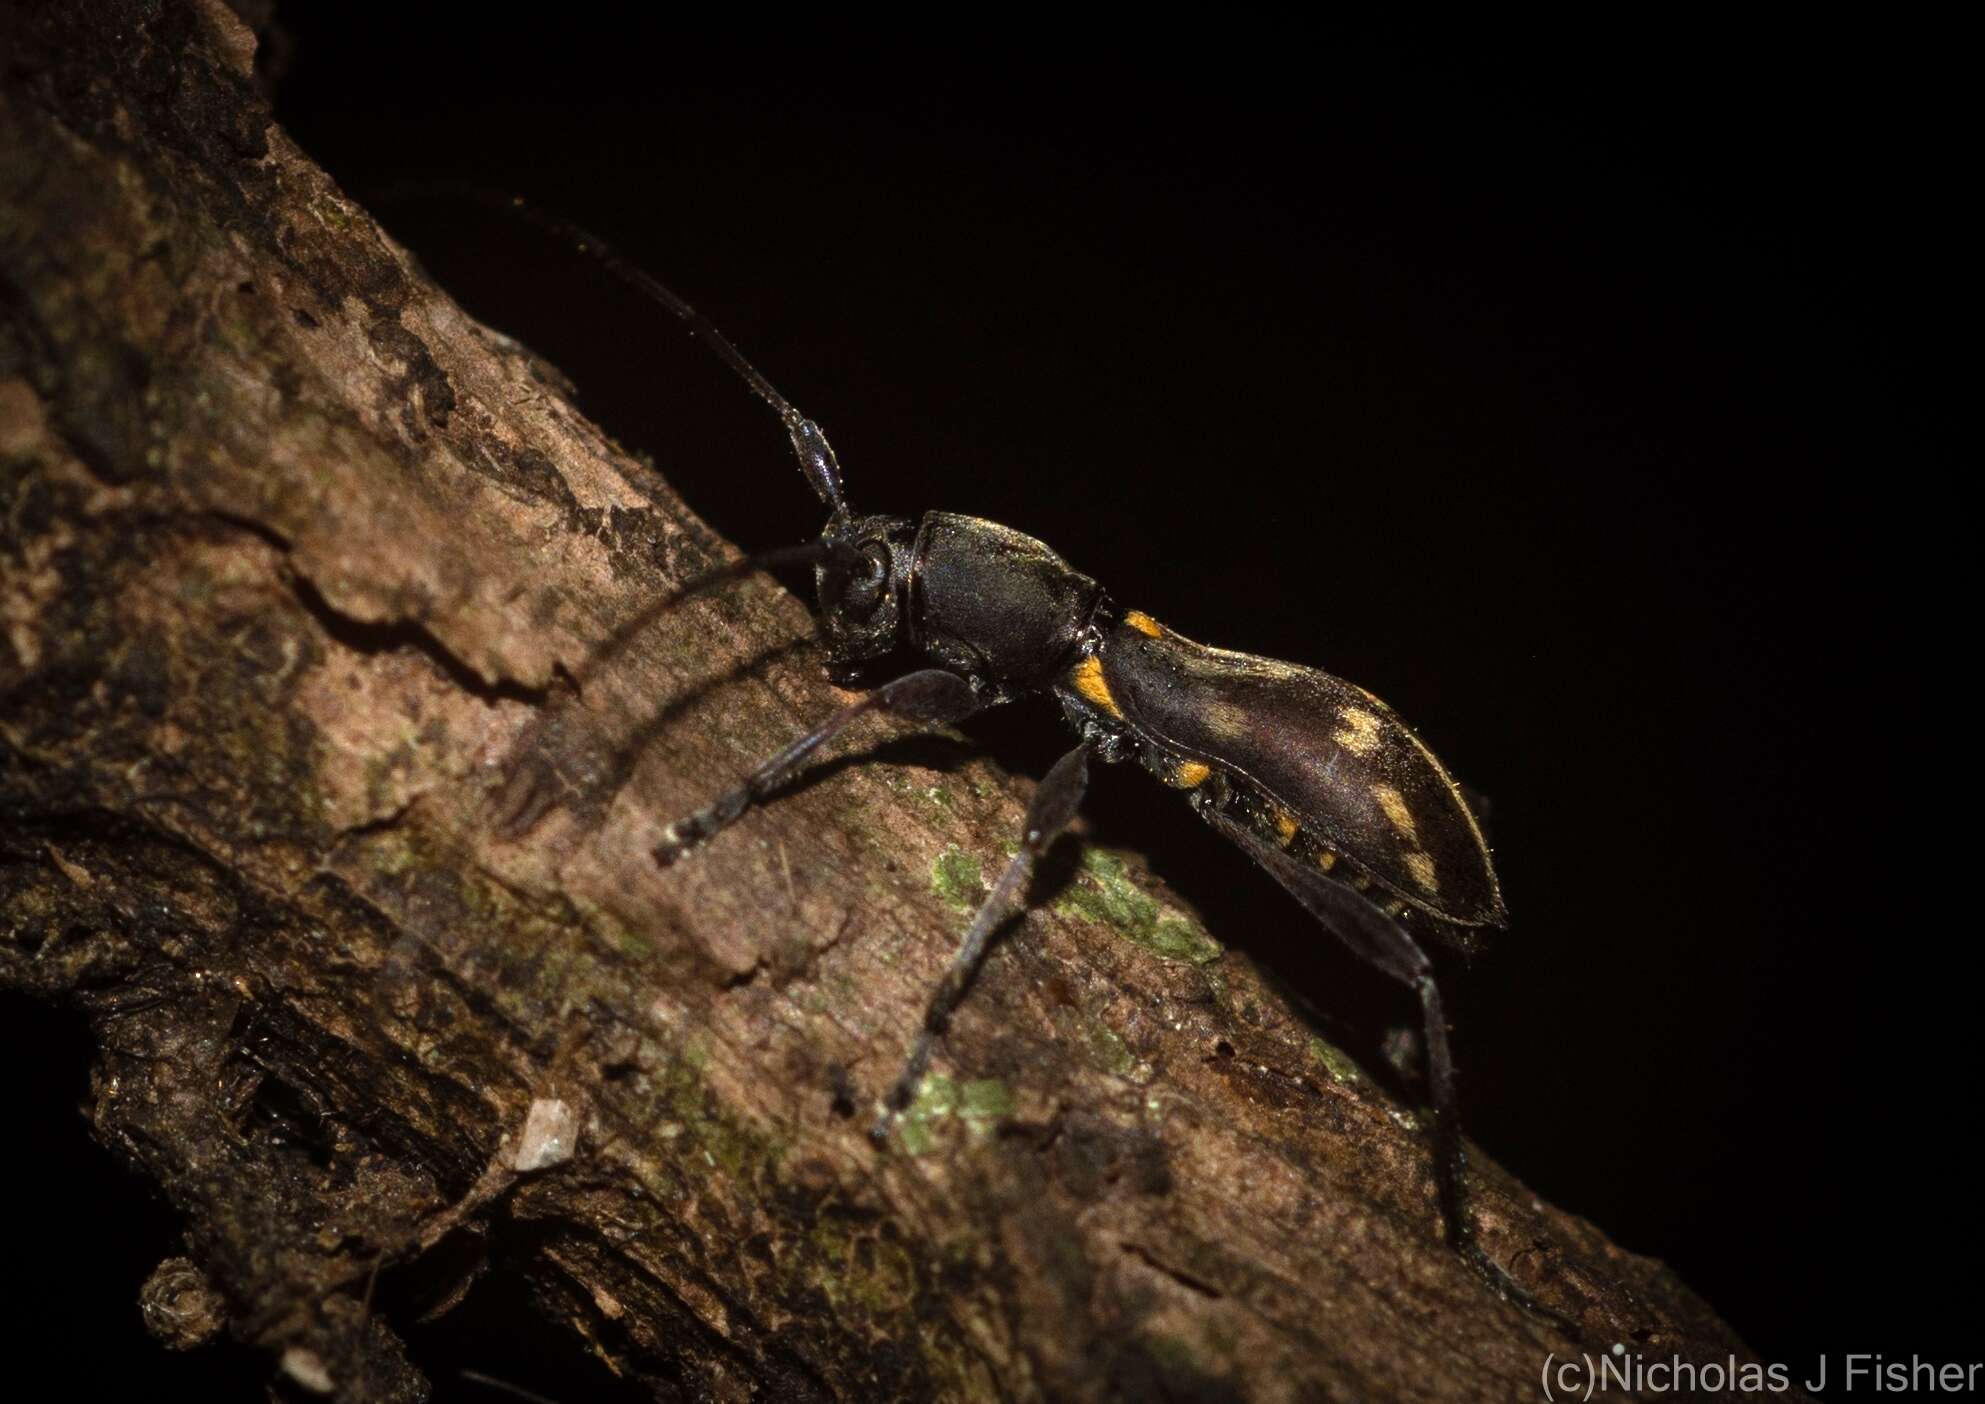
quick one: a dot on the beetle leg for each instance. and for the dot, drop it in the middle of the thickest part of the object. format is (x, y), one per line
(932, 696)
(1389, 946)
(1048, 813)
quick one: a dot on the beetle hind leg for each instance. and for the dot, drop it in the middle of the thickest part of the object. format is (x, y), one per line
(1388, 945)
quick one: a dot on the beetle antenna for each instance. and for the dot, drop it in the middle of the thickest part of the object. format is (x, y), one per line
(810, 446)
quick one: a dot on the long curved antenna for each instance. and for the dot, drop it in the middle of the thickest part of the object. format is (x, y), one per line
(810, 446)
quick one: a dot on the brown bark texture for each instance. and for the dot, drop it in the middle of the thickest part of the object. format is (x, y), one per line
(327, 799)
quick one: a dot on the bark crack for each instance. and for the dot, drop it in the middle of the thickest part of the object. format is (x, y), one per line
(1185, 1279)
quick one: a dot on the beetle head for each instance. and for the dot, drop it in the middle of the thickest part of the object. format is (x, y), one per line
(863, 585)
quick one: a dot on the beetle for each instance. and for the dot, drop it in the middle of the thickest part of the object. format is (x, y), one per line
(1314, 778)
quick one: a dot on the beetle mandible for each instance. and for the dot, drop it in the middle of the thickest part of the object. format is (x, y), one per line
(1316, 779)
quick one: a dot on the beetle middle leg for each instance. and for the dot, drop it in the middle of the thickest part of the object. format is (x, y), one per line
(1048, 813)
(931, 696)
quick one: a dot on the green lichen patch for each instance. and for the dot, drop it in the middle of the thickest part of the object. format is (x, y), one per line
(958, 878)
(936, 796)
(1105, 893)
(984, 1099)
(698, 1130)
(833, 1261)
(1175, 938)
(977, 1103)
(1342, 1070)
(1103, 1046)
(936, 1099)
(879, 1275)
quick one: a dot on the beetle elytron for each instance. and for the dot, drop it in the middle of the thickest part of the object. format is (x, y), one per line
(1315, 779)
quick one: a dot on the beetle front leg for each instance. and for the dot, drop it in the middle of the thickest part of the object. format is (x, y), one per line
(1048, 813)
(932, 696)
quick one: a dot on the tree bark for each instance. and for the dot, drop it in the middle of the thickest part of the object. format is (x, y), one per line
(329, 775)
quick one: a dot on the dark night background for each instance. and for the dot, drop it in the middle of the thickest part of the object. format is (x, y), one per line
(1561, 403)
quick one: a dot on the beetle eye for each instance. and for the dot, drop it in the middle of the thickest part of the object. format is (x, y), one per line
(867, 581)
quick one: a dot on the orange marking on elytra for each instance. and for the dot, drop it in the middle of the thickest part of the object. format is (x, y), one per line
(1088, 678)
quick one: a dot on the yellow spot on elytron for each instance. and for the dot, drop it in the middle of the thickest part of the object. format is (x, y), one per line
(1144, 623)
(1359, 734)
(1396, 812)
(1285, 827)
(1225, 720)
(1422, 868)
(1190, 774)
(1089, 682)
(1325, 859)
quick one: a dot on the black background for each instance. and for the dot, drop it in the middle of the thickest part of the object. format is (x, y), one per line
(1557, 392)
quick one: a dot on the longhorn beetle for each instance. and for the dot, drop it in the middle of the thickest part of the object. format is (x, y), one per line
(1314, 778)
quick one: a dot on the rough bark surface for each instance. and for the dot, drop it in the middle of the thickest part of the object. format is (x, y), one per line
(297, 566)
